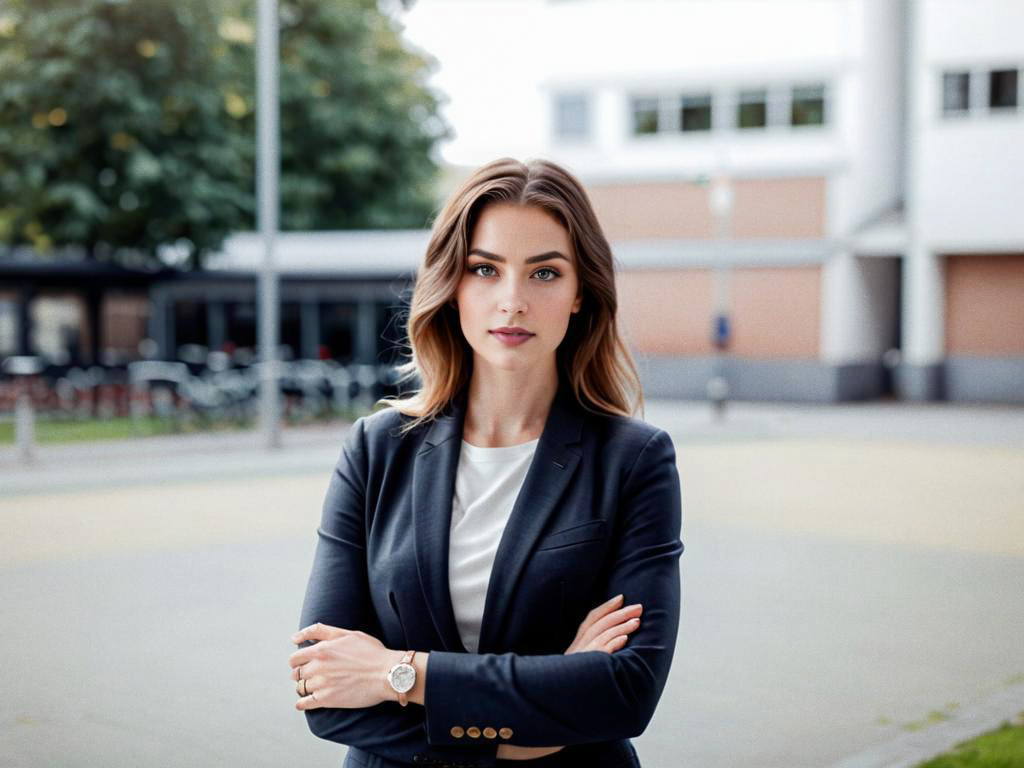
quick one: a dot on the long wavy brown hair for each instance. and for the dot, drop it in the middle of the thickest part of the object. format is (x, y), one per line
(592, 358)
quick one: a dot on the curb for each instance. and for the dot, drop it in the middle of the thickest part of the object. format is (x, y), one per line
(909, 749)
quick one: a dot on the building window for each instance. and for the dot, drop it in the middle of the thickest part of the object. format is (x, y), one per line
(572, 116)
(808, 105)
(1002, 89)
(956, 88)
(695, 113)
(752, 109)
(338, 330)
(645, 116)
(241, 323)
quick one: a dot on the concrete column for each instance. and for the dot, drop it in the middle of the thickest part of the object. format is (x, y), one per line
(923, 343)
(94, 313)
(25, 320)
(841, 310)
(920, 374)
(156, 326)
(309, 325)
(170, 352)
(216, 325)
(366, 332)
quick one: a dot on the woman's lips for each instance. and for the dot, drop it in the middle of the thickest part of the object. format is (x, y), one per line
(511, 339)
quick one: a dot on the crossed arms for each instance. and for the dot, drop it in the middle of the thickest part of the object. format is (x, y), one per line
(549, 699)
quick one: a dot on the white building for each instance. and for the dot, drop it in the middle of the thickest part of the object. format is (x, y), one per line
(838, 177)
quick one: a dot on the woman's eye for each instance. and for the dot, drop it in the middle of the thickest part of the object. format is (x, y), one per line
(475, 269)
(552, 272)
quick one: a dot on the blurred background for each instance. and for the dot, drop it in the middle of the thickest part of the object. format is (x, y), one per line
(814, 206)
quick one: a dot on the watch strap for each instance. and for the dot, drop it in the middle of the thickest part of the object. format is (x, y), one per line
(407, 659)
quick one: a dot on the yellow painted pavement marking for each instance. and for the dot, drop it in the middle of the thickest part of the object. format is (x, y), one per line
(163, 516)
(936, 496)
(956, 497)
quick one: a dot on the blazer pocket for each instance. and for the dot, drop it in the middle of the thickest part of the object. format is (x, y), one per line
(593, 530)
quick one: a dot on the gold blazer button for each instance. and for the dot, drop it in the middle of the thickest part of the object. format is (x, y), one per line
(489, 732)
(473, 732)
(457, 731)
(505, 733)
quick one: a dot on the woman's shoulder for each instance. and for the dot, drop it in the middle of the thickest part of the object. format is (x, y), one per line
(384, 427)
(384, 420)
(629, 433)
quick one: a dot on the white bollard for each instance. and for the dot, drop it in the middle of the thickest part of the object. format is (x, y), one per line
(25, 427)
(23, 368)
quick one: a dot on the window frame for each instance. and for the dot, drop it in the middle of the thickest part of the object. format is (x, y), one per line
(743, 98)
(807, 85)
(696, 96)
(634, 101)
(725, 102)
(979, 91)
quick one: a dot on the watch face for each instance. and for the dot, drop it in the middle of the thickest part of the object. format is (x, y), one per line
(403, 677)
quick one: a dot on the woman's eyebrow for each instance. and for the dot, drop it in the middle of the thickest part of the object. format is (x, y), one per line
(531, 260)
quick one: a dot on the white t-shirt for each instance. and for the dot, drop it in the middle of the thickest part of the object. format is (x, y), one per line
(486, 486)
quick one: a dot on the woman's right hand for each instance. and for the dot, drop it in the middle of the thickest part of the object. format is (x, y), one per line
(607, 627)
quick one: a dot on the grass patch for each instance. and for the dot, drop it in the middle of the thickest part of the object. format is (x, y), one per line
(77, 430)
(933, 717)
(1001, 748)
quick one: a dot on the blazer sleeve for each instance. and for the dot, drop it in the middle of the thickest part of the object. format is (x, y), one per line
(338, 594)
(557, 699)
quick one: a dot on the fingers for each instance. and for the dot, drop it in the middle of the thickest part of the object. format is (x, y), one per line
(307, 702)
(304, 671)
(317, 631)
(616, 643)
(616, 633)
(604, 607)
(596, 613)
(613, 619)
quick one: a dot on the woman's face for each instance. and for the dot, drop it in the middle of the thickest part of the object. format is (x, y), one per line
(519, 273)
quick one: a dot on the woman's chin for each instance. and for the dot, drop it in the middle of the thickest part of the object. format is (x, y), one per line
(509, 361)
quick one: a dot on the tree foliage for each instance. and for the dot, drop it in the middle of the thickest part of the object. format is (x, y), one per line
(128, 125)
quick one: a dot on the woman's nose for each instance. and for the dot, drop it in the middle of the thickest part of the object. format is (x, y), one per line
(512, 300)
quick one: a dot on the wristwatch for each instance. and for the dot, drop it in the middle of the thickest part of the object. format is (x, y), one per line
(402, 677)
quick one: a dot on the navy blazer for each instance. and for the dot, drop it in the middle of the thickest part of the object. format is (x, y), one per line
(598, 514)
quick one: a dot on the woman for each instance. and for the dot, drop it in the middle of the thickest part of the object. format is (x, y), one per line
(487, 545)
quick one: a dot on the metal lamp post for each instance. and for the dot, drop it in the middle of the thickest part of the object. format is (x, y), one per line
(267, 164)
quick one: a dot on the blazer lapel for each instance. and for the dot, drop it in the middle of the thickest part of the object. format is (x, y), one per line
(433, 487)
(434, 469)
(553, 465)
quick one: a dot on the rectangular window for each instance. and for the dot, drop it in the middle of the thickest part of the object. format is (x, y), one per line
(695, 113)
(338, 331)
(752, 109)
(645, 116)
(1002, 89)
(956, 88)
(572, 116)
(808, 105)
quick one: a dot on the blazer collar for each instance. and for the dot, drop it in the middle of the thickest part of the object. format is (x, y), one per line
(433, 486)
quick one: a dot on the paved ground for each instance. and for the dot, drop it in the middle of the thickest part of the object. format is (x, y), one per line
(851, 575)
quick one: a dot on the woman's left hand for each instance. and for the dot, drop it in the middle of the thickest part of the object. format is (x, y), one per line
(345, 668)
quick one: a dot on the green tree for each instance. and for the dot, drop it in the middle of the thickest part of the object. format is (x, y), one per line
(127, 125)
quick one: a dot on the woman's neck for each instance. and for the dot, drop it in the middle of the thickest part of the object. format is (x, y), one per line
(507, 407)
